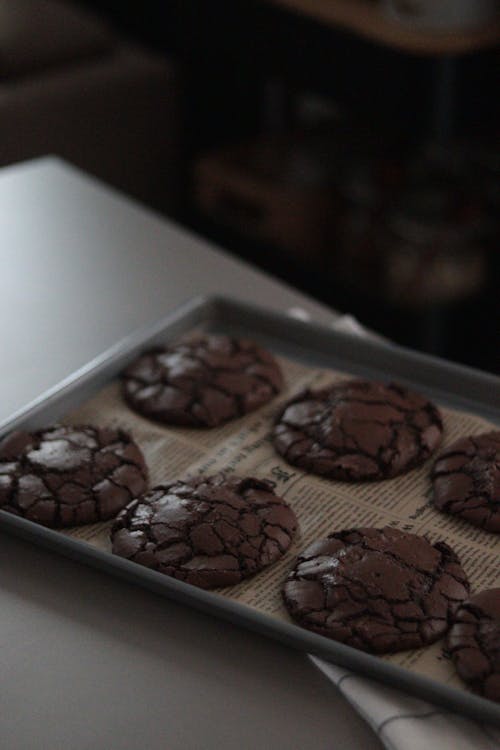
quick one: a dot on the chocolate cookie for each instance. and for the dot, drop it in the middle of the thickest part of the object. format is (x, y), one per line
(379, 590)
(474, 643)
(466, 478)
(203, 382)
(357, 430)
(209, 531)
(68, 476)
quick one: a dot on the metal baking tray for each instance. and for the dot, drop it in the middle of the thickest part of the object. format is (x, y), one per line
(319, 346)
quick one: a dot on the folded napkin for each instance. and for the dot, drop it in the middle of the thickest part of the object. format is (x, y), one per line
(406, 723)
(401, 721)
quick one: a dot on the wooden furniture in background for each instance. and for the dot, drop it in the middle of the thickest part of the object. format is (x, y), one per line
(365, 18)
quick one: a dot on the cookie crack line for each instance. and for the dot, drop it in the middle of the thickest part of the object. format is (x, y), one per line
(351, 595)
(210, 381)
(213, 522)
(43, 490)
(466, 480)
(427, 575)
(148, 528)
(473, 643)
(425, 586)
(332, 433)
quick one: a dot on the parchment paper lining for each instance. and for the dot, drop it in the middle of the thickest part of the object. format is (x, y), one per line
(321, 506)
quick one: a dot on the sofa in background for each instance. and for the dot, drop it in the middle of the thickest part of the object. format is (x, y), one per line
(70, 86)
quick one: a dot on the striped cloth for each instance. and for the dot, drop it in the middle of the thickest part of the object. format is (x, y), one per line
(405, 723)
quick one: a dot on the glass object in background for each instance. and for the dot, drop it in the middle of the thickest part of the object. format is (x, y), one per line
(414, 250)
(433, 253)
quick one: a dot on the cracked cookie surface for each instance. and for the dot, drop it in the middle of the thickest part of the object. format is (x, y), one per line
(466, 480)
(202, 382)
(208, 531)
(69, 476)
(474, 643)
(357, 430)
(378, 590)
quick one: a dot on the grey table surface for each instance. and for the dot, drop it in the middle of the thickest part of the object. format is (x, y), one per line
(89, 662)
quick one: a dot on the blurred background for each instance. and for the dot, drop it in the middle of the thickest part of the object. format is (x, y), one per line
(350, 147)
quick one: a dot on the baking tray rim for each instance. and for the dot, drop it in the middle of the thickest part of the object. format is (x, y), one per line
(96, 373)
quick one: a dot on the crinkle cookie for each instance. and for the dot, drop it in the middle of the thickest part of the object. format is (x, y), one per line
(202, 382)
(379, 590)
(208, 531)
(466, 479)
(68, 476)
(357, 430)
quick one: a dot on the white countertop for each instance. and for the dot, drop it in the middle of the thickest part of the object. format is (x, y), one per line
(81, 266)
(89, 662)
